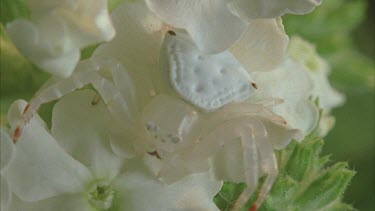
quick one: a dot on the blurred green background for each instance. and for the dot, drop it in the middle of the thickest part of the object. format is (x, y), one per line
(343, 32)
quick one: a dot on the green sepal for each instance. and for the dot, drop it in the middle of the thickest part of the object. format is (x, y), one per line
(305, 182)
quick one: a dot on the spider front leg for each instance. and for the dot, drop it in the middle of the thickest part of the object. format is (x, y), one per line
(251, 167)
(268, 166)
(52, 90)
(258, 133)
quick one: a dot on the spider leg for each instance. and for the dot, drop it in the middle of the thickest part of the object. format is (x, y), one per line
(52, 90)
(268, 164)
(86, 73)
(256, 146)
(250, 159)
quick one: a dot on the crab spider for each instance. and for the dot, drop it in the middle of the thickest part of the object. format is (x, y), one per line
(174, 131)
(202, 135)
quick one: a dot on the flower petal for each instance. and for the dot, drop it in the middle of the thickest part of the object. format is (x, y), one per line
(88, 21)
(280, 135)
(305, 53)
(139, 190)
(5, 194)
(57, 57)
(83, 126)
(52, 39)
(7, 148)
(293, 86)
(249, 9)
(40, 167)
(136, 46)
(71, 202)
(210, 23)
(263, 46)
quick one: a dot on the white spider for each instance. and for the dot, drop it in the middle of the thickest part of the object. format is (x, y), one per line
(185, 139)
(181, 136)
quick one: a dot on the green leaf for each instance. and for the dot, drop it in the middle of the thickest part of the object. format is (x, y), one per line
(12, 9)
(330, 27)
(112, 4)
(304, 181)
(333, 19)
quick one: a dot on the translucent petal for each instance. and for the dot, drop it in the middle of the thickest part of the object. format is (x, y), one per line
(41, 168)
(328, 96)
(136, 46)
(263, 46)
(207, 81)
(209, 22)
(52, 39)
(7, 148)
(305, 53)
(293, 86)
(71, 202)
(88, 21)
(249, 9)
(57, 57)
(83, 126)
(5, 194)
(85, 21)
(139, 190)
(280, 135)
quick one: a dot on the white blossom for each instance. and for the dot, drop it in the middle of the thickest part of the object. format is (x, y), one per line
(211, 24)
(57, 30)
(75, 169)
(318, 70)
(169, 113)
(249, 9)
(291, 85)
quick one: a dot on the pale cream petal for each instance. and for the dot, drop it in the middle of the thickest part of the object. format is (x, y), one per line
(263, 46)
(83, 126)
(209, 22)
(249, 9)
(71, 202)
(293, 86)
(140, 190)
(6, 147)
(136, 46)
(41, 168)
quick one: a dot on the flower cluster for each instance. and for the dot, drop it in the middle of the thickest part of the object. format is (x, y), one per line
(188, 94)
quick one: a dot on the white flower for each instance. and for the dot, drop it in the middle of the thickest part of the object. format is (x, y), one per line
(138, 46)
(318, 70)
(74, 167)
(291, 85)
(148, 117)
(301, 79)
(167, 130)
(52, 39)
(249, 9)
(211, 24)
